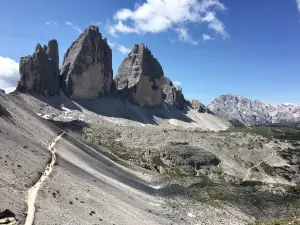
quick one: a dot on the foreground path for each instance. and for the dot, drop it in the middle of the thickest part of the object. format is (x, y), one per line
(33, 191)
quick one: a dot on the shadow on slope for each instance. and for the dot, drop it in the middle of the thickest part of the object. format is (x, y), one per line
(98, 162)
(120, 108)
(56, 102)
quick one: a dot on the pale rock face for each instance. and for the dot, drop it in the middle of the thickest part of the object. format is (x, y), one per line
(241, 110)
(139, 77)
(171, 94)
(87, 67)
(201, 108)
(39, 72)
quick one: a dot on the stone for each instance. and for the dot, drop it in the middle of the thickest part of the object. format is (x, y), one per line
(40, 72)
(171, 94)
(8, 217)
(86, 71)
(139, 77)
(201, 108)
(243, 111)
(188, 158)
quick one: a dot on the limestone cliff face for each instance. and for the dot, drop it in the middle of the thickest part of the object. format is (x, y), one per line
(201, 108)
(39, 72)
(139, 77)
(171, 94)
(87, 66)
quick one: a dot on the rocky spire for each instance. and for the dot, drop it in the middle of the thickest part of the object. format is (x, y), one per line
(171, 94)
(87, 66)
(138, 77)
(39, 72)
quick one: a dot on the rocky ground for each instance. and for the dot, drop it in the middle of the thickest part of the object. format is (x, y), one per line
(151, 170)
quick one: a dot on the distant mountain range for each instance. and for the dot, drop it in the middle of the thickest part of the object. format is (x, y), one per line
(242, 110)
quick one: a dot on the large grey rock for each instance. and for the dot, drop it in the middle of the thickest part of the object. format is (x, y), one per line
(139, 77)
(242, 110)
(188, 158)
(201, 108)
(39, 72)
(87, 66)
(171, 94)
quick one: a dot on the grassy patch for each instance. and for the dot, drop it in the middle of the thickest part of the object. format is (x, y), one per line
(288, 221)
(278, 132)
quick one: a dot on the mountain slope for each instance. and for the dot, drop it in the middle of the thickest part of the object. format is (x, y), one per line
(242, 110)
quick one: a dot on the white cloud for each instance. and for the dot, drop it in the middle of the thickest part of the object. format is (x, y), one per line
(9, 89)
(177, 83)
(119, 47)
(207, 37)
(9, 73)
(184, 36)
(111, 44)
(123, 49)
(74, 27)
(298, 4)
(51, 23)
(155, 16)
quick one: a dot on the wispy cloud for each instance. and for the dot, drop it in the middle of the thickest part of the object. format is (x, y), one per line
(52, 22)
(74, 27)
(298, 4)
(162, 15)
(172, 40)
(177, 83)
(119, 47)
(207, 37)
(123, 49)
(96, 23)
(183, 35)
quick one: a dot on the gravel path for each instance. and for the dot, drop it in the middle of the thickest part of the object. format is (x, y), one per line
(33, 191)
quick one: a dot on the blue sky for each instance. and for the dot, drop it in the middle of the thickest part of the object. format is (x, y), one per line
(244, 47)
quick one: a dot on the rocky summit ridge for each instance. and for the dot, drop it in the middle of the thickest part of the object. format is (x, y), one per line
(87, 73)
(87, 66)
(242, 110)
(40, 72)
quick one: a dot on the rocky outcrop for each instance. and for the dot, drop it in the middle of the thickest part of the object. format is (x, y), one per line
(171, 94)
(8, 217)
(39, 72)
(87, 66)
(191, 160)
(242, 110)
(139, 77)
(201, 108)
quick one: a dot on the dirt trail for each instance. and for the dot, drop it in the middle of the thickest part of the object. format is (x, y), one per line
(33, 191)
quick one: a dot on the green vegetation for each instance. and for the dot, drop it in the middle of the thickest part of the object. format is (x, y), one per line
(278, 132)
(288, 221)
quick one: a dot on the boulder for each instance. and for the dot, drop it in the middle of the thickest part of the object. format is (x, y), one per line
(201, 108)
(171, 94)
(86, 71)
(139, 77)
(188, 158)
(40, 72)
(8, 217)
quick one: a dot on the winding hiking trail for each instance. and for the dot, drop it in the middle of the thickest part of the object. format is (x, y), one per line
(33, 191)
